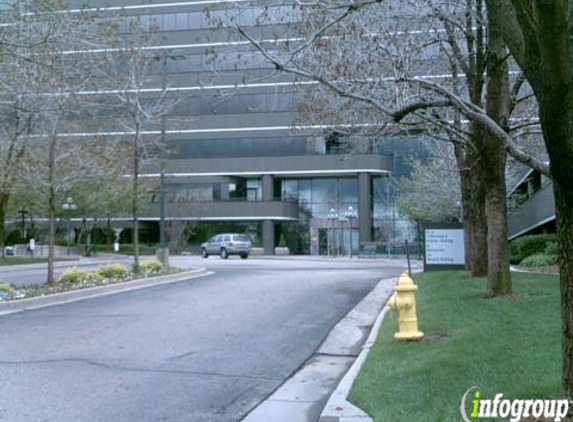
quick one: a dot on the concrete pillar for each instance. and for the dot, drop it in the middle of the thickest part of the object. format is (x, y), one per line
(224, 191)
(268, 225)
(269, 237)
(364, 208)
(267, 187)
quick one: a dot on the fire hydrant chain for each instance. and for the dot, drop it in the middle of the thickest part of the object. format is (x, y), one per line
(403, 302)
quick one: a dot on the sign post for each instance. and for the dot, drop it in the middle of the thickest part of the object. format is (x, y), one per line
(444, 247)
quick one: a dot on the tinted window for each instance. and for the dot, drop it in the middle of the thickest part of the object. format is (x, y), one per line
(242, 238)
(219, 239)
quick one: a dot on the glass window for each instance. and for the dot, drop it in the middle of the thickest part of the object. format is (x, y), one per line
(168, 22)
(324, 190)
(320, 210)
(254, 191)
(232, 190)
(226, 238)
(348, 190)
(181, 21)
(383, 190)
(219, 239)
(242, 238)
(382, 210)
(290, 188)
(304, 191)
(195, 20)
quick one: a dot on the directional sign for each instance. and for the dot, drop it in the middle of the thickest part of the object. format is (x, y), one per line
(444, 247)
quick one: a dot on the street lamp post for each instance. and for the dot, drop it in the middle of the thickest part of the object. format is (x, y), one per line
(341, 221)
(162, 209)
(69, 207)
(350, 216)
(332, 217)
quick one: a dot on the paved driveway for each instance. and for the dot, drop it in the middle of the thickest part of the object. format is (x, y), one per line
(208, 349)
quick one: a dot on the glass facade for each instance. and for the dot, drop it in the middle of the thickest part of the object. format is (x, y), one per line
(318, 196)
(235, 189)
(390, 229)
(238, 121)
(199, 19)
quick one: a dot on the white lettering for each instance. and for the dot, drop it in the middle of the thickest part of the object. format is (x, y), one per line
(562, 409)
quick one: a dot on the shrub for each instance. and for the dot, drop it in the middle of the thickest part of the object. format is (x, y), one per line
(113, 271)
(525, 246)
(151, 266)
(540, 260)
(552, 248)
(6, 288)
(74, 275)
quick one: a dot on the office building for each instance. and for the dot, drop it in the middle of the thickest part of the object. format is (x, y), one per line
(237, 162)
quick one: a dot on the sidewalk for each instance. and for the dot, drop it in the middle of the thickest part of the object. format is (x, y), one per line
(416, 263)
(303, 396)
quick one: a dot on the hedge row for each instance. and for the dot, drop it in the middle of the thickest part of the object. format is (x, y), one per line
(536, 244)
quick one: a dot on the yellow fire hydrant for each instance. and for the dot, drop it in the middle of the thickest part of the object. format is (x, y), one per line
(403, 302)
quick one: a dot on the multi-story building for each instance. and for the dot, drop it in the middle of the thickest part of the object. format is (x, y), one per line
(532, 205)
(237, 162)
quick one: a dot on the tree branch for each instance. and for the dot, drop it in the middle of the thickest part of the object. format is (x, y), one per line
(478, 115)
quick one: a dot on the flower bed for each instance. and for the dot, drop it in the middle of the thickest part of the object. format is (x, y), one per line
(74, 278)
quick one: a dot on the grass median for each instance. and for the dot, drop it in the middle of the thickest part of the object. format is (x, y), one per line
(502, 345)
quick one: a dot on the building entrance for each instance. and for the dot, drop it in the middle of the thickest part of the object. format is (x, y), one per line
(338, 241)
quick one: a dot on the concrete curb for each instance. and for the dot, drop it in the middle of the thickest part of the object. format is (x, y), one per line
(338, 408)
(93, 292)
(382, 260)
(521, 270)
(302, 397)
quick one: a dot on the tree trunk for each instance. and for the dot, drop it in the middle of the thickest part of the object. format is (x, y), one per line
(474, 220)
(135, 203)
(109, 234)
(51, 280)
(473, 210)
(557, 123)
(564, 214)
(499, 278)
(4, 197)
(494, 158)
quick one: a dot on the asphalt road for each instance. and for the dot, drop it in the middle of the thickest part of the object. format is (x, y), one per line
(208, 349)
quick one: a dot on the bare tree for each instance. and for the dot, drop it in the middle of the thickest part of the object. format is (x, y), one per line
(23, 36)
(402, 62)
(57, 155)
(127, 69)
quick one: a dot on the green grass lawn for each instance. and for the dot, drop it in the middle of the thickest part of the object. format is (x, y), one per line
(20, 260)
(127, 249)
(511, 346)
